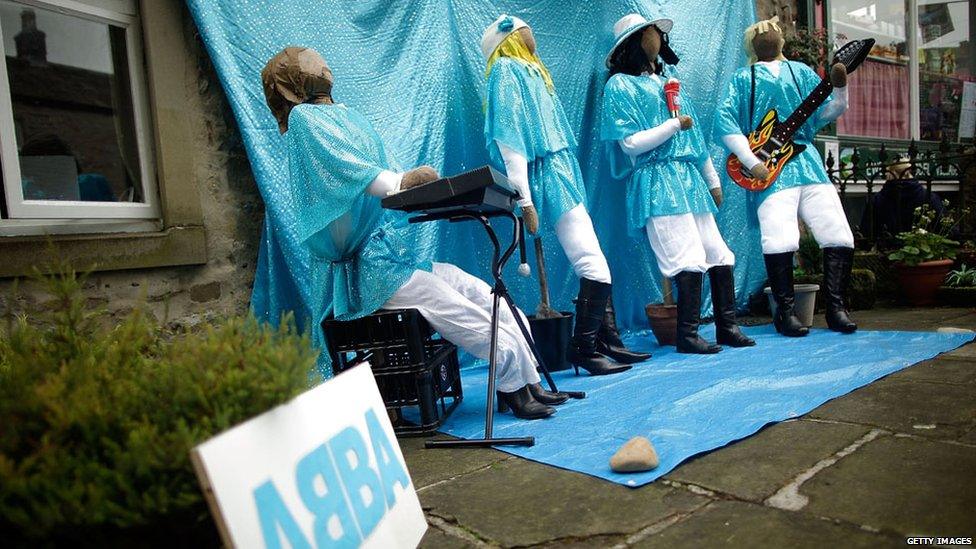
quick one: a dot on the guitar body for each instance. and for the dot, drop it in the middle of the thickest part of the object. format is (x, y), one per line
(759, 139)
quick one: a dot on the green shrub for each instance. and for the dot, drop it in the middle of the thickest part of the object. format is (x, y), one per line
(961, 277)
(97, 418)
(862, 293)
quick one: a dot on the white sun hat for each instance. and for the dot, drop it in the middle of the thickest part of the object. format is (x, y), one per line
(634, 22)
(498, 31)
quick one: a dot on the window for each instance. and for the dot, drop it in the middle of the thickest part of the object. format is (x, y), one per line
(74, 125)
(920, 80)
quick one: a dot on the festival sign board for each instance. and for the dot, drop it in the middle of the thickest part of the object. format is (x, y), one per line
(323, 470)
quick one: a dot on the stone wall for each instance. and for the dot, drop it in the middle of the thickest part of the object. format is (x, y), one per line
(787, 10)
(232, 214)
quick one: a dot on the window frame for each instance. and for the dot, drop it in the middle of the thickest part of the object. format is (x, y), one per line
(66, 214)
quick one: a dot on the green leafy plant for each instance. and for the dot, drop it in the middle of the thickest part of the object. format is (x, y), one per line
(964, 277)
(810, 256)
(811, 46)
(929, 238)
(97, 417)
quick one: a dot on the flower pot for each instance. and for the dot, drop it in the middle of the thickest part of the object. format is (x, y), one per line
(805, 302)
(551, 337)
(920, 283)
(664, 322)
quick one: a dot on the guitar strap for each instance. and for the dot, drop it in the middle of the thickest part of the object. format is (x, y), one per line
(752, 98)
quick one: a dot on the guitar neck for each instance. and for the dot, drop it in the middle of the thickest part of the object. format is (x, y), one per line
(784, 132)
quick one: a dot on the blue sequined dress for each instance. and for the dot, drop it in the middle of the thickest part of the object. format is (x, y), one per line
(360, 254)
(666, 180)
(523, 115)
(785, 95)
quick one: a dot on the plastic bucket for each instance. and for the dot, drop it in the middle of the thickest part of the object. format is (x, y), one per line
(805, 297)
(551, 337)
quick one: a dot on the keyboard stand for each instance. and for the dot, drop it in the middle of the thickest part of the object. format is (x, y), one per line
(499, 292)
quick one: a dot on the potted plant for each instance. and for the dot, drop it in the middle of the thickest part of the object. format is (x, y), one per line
(926, 254)
(664, 316)
(960, 288)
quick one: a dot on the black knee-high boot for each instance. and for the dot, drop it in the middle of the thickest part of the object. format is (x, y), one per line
(838, 263)
(727, 330)
(779, 268)
(689, 285)
(590, 307)
(608, 340)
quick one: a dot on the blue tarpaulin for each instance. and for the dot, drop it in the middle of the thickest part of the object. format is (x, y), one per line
(689, 404)
(415, 70)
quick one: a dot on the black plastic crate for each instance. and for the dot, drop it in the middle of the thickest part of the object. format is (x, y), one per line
(418, 375)
(420, 401)
(403, 336)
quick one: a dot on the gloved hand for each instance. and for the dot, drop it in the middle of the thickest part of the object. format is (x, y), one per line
(717, 196)
(838, 75)
(759, 171)
(685, 121)
(531, 219)
(418, 176)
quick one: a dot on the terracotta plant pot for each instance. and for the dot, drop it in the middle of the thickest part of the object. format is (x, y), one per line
(804, 302)
(920, 283)
(664, 322)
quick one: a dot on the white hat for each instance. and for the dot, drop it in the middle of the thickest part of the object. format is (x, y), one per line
(498, 31)
(633, 22)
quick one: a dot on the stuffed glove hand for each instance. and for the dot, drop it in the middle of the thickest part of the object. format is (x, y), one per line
(838, 75)
(418, 176)
(759, 171)
(717, 196)
(531, 219)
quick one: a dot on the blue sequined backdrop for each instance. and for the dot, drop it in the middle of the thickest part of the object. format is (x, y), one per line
(415, 70)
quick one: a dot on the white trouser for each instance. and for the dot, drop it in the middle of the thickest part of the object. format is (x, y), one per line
(458, 306)
(574, 229)
(818, 206)
(687, 242)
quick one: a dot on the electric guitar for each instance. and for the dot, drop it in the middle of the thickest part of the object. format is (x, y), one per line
(771, 141)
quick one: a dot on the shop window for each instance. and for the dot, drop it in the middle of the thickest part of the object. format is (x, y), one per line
(919, 80)
(74, 128)
(947, 84)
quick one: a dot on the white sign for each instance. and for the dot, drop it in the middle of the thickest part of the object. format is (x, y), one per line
(323, 470)
(967, 114)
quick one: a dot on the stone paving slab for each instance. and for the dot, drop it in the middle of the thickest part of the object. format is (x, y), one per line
(739, 524)
(907, 319)
(756, 467)
(947, 368)
(436, 539)
(902, 485)
(966, 352)
(518, 502)
(429, 466)
(934, 410)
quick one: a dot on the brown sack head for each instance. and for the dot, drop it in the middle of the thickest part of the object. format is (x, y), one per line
(295, 75)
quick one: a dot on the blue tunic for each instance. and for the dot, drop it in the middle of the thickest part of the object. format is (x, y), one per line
(665, 180)
(522, 114)
(778, 93)
(359, 251)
